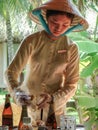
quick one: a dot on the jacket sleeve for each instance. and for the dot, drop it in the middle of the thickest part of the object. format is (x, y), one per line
(17, 65)
(70, 78)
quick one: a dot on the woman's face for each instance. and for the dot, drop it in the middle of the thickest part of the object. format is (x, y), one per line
(58, 24)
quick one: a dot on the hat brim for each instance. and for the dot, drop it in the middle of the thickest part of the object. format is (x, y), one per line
(65, 6)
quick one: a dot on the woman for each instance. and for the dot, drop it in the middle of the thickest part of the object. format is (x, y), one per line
(52, 59)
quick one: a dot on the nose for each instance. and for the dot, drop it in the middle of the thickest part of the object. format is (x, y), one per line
(58, 27)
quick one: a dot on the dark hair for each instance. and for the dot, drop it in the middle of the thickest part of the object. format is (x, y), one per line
(56, 12)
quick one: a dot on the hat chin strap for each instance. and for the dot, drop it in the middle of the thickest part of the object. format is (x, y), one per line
(43, 22)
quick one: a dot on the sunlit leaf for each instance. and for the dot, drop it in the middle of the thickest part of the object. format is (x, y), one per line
(90, 68)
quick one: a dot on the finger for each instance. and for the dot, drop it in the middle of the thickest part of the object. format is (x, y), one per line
(41, 106)
(60, 92)
(47, 96)
(41, 100)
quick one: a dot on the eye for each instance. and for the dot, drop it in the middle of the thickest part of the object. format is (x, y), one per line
(53, 22)
(66, 25)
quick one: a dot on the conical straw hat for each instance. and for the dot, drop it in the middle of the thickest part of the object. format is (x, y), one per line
(38, 14)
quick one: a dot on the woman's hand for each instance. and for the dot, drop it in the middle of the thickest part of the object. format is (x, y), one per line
(23, 98)
(43, 100)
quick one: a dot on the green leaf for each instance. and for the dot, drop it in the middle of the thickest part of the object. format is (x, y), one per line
(88, 70)
(85, 44)
(86, 101)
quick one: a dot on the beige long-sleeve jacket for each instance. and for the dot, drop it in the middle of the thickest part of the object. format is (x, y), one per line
(51, 65)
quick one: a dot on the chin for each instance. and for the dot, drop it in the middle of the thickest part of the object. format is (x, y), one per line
(56, 35)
